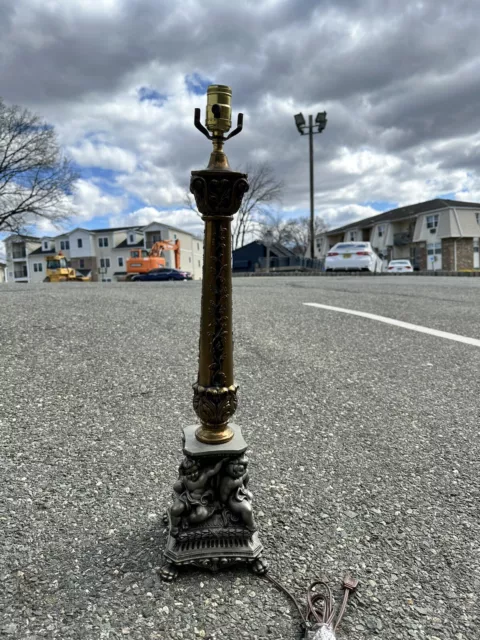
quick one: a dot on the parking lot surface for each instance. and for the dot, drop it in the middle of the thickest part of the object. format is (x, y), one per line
(364, 457)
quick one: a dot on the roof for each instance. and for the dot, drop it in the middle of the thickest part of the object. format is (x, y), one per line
(280, 250)
(124, 245)
(40, 251)
(276, 248)
(19, 236)
(114, 229)
(402, 213)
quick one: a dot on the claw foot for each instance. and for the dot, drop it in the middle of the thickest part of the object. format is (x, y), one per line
(260, 566)
(168, 572)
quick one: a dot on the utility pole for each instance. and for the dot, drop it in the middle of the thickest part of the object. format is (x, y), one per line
(321, 123)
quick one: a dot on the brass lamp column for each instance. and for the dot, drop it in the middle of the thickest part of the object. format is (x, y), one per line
(211, 521)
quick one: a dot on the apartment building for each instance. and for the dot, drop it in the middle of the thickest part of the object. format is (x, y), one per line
(438, 234)
(18, 248)
(101, 252)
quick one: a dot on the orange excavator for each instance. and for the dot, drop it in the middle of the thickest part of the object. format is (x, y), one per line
(142, 261)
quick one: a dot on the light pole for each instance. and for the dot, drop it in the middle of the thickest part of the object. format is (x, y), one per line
(211, 522)
(320, 124)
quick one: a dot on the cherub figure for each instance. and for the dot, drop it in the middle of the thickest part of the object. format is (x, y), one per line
(192, 497)
(233, 490)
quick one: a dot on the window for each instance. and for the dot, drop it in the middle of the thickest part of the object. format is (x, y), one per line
(476, 243)
(81, 264)
(57, 264)
(120, 262)
(18, 250)
(105, 263)
(67, 245)
(20, 271)
(45, 245)
(352, 236)
(435, 248)
(174, 236)
(135, 254)
(346, 245)
(131, 238)
(79, 243)
(103, 242)
(62, 245)
(432, 222)
(37, 266)
(477, 216)
(381, 231)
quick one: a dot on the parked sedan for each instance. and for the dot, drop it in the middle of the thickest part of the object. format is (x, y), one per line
(400, 266)
(353, 256)
(156, 275)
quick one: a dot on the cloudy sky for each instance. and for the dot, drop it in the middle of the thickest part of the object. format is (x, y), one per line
(120, 79)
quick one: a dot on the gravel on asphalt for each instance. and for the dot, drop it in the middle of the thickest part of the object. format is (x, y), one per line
(364, 457)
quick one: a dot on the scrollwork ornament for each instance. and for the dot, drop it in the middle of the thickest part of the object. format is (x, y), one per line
(218, 194)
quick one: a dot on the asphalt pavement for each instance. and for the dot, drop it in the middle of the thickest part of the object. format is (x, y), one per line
(364, 457)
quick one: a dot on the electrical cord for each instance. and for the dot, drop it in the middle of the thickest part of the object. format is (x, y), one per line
(319, 618)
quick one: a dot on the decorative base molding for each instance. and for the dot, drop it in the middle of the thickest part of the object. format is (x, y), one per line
(211, 523)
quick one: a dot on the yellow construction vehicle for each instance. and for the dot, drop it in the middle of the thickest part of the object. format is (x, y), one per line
(59, 271)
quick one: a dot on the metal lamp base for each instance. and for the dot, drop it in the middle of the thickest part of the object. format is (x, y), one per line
(211, 523)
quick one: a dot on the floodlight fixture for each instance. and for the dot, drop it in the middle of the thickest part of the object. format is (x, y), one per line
(321, 120)
(300, 122)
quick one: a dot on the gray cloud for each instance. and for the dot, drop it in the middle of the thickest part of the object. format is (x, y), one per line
(396, 79)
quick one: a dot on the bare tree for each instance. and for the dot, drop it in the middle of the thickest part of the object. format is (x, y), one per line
(301, 233)
(189, 202)
(280, 229)
(35, 178)
(293, 233)
(264, 190)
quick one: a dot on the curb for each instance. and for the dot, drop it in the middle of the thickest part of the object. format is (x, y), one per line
(334, 274)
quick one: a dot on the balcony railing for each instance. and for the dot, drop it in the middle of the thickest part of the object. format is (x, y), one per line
(402, 238)
(20, 273)
(19, 253)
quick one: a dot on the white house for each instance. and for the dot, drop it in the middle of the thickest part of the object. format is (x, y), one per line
(18, 248)
(101, 252)
(191, 247)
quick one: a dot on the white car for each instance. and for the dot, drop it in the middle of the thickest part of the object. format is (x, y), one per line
(353, 256)
(400, 266)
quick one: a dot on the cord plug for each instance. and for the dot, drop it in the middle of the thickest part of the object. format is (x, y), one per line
(350, 583)
(320, 632)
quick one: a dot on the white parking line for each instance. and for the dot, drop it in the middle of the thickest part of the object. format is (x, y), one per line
(399, 323)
